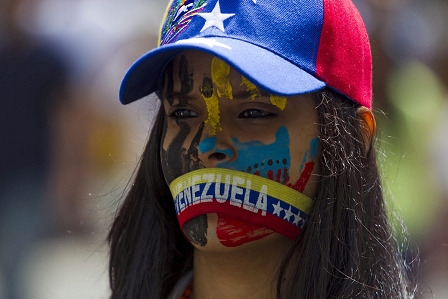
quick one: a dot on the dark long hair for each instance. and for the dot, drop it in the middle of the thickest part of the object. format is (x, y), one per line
(347, 249)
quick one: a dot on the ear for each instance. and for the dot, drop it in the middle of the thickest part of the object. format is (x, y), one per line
(367, 126)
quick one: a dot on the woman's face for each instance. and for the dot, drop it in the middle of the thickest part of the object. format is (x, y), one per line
(217, 118)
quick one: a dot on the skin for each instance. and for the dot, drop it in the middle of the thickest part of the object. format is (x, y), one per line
(214, 115)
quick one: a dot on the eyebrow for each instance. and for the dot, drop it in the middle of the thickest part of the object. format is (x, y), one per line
(246, 94)
(178, 95)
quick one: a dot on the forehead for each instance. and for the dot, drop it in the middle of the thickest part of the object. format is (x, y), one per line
(194, 71)
(195, 65)
(194, 59)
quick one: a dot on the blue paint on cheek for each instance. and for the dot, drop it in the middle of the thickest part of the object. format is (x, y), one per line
(254, 153)
(314, 148)
(207, 144)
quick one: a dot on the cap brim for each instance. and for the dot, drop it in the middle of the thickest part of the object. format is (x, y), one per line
(265, 69)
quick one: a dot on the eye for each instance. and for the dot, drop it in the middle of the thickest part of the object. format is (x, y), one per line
(183, 113)
(255, 113)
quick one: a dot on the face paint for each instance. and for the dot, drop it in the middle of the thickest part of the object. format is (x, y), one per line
(212, 103)
(220, 76)
(238, 197)
(258, 158)
(305, 171)
(176, 152)
(233, 232)
(196, 230)
(169, 82)
(185, 77)
(220, 72)
(278, 101)
(253, 90)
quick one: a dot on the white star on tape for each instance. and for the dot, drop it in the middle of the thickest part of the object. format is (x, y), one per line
(297, 219)
(215, 18)
(206, 41)
(288, 214)
(277, 209)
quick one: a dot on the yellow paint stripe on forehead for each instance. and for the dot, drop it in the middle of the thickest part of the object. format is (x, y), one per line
(251, 88)
(278, 101)
(213, 119)
(220, 76)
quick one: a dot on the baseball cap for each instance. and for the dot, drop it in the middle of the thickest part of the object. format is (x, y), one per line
(285, 47)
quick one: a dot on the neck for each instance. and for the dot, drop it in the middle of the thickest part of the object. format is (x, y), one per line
(248, 272)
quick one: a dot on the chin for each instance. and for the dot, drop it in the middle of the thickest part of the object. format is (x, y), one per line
(227, 234)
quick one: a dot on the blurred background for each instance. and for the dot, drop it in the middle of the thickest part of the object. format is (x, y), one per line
(68, 148)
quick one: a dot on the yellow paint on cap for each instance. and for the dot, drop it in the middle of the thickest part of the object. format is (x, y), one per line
(251, 88)
(220, 72)
(278, 101)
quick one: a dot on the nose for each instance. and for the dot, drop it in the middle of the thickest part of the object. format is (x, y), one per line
(214, 150)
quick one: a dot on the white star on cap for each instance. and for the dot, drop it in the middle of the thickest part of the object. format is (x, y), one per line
(215, 18)
(206, 41)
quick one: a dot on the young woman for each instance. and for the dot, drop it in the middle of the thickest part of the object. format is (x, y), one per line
(259, 179)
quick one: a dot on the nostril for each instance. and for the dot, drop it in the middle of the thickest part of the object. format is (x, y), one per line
(218, 156)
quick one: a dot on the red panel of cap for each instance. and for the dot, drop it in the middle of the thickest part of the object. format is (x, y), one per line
(344, 60)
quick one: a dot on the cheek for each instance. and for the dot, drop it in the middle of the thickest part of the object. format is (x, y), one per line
(180, 149)
(267, 160)
(289, 162)
(170, 131)
(303, 165)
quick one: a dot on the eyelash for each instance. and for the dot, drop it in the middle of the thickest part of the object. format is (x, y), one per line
(248, 114)
(261, 114)
(180, 113)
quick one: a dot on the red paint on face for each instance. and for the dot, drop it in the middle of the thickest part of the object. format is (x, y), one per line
(279, 175)
(304, 177)
(285, 175)
(233, 232)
